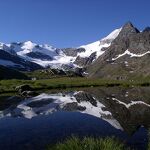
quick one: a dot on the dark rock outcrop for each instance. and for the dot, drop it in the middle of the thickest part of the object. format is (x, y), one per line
(73, 51)
(85, 61)
(25, 90)
(39, 55)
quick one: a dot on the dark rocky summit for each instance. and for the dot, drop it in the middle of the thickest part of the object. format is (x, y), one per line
(127, 57)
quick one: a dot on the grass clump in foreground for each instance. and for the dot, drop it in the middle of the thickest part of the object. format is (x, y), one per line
(89, 144)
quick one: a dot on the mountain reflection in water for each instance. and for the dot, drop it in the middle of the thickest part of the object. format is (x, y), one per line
(100, 112)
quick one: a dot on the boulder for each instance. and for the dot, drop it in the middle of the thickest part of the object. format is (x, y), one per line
(25, 91)
(22, 88)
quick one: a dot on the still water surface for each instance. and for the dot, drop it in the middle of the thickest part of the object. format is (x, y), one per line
(32, 123)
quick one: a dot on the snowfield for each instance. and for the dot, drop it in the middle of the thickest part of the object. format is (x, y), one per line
(59, 58)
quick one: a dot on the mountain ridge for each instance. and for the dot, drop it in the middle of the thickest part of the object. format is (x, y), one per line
(118, 51)
(48, 56)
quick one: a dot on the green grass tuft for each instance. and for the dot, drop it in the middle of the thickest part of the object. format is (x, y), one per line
(89, 144)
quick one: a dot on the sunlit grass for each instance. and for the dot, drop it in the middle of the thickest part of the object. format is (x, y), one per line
(68, 82)
(89, 144)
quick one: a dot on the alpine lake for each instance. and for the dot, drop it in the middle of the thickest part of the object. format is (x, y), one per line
(53, 116)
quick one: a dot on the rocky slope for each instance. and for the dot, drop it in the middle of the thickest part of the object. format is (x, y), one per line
(127, 56)
(8, 73)
(14, 61)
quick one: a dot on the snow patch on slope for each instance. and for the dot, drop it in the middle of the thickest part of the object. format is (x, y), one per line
(127, 52)
(113, 35)
(91, 48)
(98, 45)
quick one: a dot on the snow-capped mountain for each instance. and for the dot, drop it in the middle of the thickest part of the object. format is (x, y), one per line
(125, 50)
(96, 49)
(98, 45)
(48, 56)
(9, 58)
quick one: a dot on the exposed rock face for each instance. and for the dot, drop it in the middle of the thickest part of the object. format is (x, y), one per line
(127, 30)
(39, 55)
(73, 51)
(25, 90)
(85, 61)
(128, 56)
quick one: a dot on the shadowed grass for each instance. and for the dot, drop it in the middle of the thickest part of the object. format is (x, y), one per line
(89, 144)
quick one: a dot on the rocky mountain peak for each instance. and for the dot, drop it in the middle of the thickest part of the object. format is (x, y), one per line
(128, 29)
(128, 25)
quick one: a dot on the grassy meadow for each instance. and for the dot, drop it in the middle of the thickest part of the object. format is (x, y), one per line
(68, 82)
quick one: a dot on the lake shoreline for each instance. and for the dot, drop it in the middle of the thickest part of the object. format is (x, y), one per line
(8, 86)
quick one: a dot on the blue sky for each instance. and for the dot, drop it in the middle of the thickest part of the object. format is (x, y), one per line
(68, 23)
